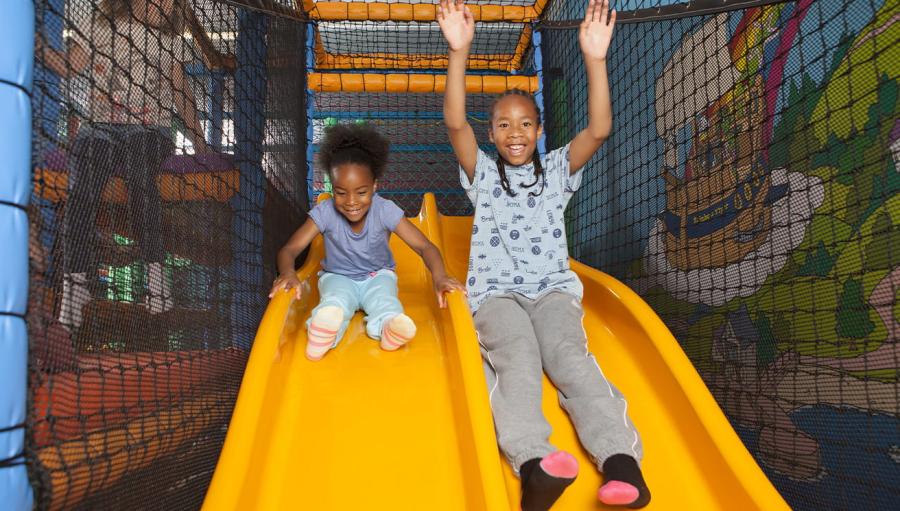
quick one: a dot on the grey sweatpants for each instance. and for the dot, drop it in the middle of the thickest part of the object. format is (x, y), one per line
(519, 337)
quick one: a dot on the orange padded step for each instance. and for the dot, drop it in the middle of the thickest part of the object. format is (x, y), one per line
(183, 178)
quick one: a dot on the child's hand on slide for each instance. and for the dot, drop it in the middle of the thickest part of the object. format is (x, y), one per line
(457, 24)
(445, 285)
(286, 282)
(596, 30)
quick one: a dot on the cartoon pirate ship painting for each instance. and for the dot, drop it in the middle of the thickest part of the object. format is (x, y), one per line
(717, 209)
(728, 217)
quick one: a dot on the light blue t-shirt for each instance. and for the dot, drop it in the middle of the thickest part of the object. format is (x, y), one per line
(519, 242)
(354, 255)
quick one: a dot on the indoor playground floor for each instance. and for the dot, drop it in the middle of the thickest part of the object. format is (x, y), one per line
(411, 430)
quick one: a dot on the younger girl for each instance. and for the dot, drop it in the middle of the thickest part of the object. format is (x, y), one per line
(526, 300)
(358, 265)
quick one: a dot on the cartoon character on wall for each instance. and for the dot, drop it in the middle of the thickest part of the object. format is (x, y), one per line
(835, 218)
(763, 397)
(729, 218)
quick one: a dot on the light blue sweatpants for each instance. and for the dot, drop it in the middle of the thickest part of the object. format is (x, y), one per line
(376, 295)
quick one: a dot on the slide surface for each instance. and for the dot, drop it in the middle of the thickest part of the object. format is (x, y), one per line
(411, 430)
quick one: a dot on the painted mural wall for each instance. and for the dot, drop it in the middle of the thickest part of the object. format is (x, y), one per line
(749, 194)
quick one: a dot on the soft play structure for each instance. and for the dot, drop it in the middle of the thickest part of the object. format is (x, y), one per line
(734, 236)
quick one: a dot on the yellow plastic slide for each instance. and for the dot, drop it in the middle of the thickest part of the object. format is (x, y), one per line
(365, 429)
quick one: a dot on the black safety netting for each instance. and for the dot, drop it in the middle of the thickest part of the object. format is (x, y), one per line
(169, 166)
(748, 192)
(389, 44)
(421, 158)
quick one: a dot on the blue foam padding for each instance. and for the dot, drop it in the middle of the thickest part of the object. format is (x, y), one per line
(16, 63)
(17, 42)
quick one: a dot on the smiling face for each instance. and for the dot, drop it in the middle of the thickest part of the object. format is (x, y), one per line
(515, 129)
(353, 186)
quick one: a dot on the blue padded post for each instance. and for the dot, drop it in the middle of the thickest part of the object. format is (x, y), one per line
(249, 124)
(16, 61)
(48, 98)
(48, 114)
(216, 107)
(309, 61)
(539, 95)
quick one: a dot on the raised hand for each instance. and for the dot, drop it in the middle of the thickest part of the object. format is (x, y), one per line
(596, 30)
(457, 24)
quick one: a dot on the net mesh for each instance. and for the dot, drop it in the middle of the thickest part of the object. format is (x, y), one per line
(388, 44)
(421, 159)
(150, 248)
(749, 194)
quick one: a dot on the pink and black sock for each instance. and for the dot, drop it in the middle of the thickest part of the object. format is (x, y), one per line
(623, 483)
(545, 479)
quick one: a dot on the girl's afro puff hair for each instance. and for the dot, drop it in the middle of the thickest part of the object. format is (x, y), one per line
(354, 143)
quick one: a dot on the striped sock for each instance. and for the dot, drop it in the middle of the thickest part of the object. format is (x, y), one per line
(397, 332)
(322, 331)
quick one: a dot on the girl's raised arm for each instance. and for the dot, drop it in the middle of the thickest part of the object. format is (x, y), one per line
(458, 27)
(594, 36)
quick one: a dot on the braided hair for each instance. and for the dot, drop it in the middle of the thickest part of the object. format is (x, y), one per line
(536, 158)
(354, 143)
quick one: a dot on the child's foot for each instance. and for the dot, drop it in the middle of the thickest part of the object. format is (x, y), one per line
(624, 484)
(545, 479)
(322, 331)
(397, 332)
